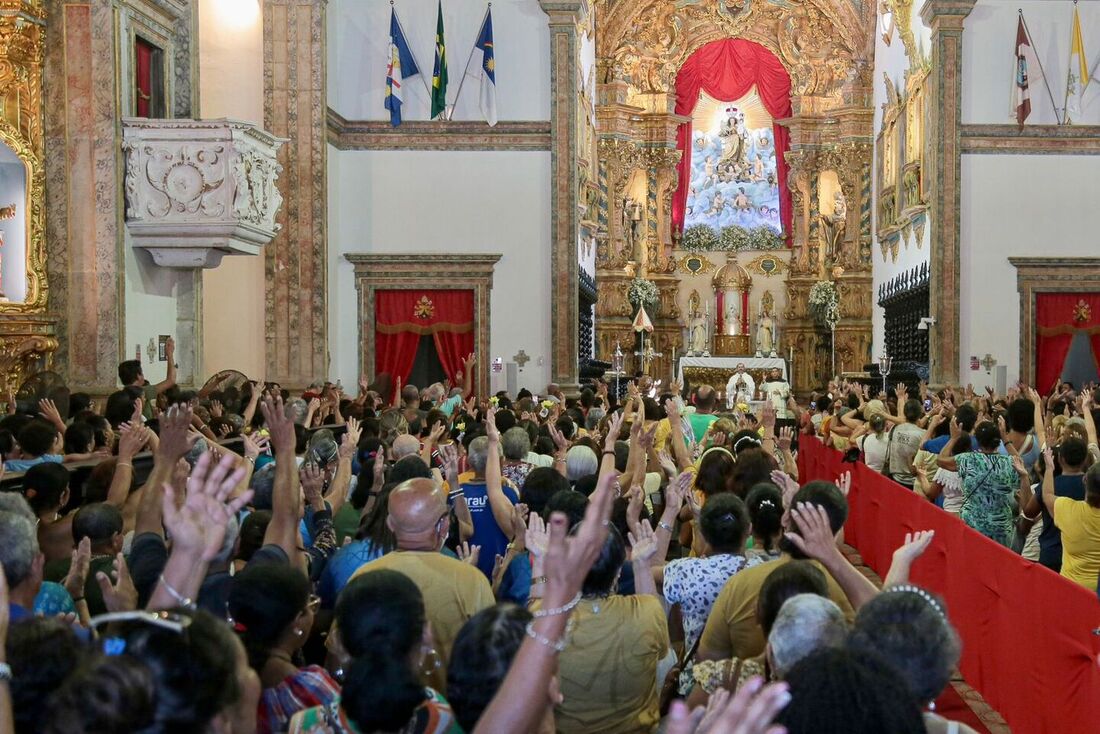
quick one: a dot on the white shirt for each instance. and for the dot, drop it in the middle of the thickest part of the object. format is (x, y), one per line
(778, 393)
(742, 393)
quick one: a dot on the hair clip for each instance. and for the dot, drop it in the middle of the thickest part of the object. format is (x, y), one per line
(767, 503)
(909, 588)
(113, 646)
(239, 627)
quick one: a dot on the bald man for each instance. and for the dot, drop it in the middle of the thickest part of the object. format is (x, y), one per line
(405, 445)
(453, 591)
(706, 400)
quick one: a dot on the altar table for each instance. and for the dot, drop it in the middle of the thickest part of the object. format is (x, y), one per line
(716, 371)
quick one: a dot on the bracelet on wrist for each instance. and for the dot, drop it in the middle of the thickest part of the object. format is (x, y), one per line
(182, 600)
(536, 580)
(557, 646)
(662, 525)
(559, 610)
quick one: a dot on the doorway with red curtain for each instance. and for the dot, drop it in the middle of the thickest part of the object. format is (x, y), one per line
(403, 317)
(1059, 319)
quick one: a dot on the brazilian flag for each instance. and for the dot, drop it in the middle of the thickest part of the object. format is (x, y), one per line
(439, 72)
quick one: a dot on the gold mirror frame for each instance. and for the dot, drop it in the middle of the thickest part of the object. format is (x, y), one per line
(37, 287)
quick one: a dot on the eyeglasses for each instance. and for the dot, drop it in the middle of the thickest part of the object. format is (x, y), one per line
(165, 620)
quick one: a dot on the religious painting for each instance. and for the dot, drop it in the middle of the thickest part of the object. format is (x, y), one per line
(13, 226)
(733, 165)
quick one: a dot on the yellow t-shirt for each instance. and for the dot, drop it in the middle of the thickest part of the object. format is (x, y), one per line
(732, 630)
(1080, 526)
(609, 671)
(453, 591)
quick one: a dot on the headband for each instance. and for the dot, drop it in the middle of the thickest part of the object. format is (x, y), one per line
(910, 589)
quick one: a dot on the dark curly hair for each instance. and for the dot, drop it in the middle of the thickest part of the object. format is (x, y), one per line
(480, 658)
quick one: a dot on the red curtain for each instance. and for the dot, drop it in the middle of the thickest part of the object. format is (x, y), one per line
(403, 316)
(143, 75)
(727, 70)
(1058, 317)
(1050, 681)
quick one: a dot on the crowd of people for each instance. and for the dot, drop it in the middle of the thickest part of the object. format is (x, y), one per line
(434, 561)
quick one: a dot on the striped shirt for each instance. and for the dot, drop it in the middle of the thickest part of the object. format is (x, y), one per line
(311, 686)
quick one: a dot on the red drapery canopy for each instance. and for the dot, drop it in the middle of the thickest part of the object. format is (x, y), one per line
(1058, 316)
(401, 317)
(727, 70)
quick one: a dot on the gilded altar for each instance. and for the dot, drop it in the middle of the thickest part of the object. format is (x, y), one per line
(27, 333)
(631, 175)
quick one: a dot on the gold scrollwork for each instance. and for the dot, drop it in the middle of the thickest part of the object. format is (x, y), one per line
(695, 264)
(767, 265)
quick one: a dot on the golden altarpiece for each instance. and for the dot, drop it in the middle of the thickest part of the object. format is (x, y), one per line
(628, 173)
(27, 332)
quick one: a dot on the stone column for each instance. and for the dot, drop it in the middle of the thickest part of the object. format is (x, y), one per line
(564, 265)
(945, 18)
(296, 312)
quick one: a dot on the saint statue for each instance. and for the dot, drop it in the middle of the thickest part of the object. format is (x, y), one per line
(731, 317)
(834, 226)
(632, 224)
(766, 327)
(698, 331)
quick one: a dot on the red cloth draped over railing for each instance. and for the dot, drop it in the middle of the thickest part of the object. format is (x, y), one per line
(1027, 633)
(1058, 317)
(727, 70)
(401, 317)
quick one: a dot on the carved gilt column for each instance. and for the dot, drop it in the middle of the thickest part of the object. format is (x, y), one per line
(945, 18)
(563, 16)
(296, 328)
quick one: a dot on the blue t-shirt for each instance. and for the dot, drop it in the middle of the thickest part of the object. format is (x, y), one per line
(487, 533)
(935, 445)
(1050, 540)
(340, 568)
(24, 464)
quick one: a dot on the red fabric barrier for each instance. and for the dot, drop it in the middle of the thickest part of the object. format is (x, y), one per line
(1027, 633)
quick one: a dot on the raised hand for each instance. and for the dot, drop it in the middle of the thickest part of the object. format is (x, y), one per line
(119, 595)
(537, 537)
(131, 438)
(254, 445)
(216, 409)
(844, 483)
(279, 427)
(815, 534)
(787, 485)
(559, 439)
(491, 431)
(349, 444)
(468, 553)
(519, 527)
(643, 542)
(49, 411)
(197, 525)
(437, 432)
(614, 427)
(914, 546)
(786, 437)
(78, 569)
(175, 439)
(312, 479)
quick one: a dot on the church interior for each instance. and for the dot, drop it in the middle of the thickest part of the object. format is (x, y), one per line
(765, 208)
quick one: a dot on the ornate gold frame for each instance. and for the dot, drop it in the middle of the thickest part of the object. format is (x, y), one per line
(409, 271)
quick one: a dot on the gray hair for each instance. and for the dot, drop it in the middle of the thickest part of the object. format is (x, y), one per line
(196, 452)
(297, 409)
(516, 443)
(477, 456)
(19, 548)
(405, 445)
(592, 420)
(805, 623)
(17, 504)
(580, 461)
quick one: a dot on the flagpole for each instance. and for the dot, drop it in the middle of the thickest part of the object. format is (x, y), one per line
(1035, 49)
(466, 69)
(419, 68)
(1065, 102)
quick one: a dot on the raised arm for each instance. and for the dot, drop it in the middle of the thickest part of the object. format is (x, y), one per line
(285, 498)
(945, 459)
(1048, 480)
(1040, 427)
(815, 539)
(338, 489)
(468, 375)
(130, 440)
(676, 435)
(170, 378)
(175, 443)
(913, 548)
(1086, 405)
(498, 502)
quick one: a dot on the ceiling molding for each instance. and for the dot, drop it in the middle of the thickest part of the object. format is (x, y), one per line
(452, 135)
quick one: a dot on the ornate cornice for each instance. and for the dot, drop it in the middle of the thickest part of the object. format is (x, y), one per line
(1031, 139)
(436, 135)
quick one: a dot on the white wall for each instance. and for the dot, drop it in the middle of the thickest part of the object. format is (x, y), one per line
(358, 47)
(443, 201)
(1002, 218)
(151, 294)
(413, 201)
(989, 41)
(231, 48)
(892, 61)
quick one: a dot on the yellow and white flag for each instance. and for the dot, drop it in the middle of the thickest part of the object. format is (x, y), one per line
(1077, 77)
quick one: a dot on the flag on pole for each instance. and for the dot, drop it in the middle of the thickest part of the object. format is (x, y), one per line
(1077, 77)
(1025, 65)
(642, 322)
(488, 70)
(401, 66)
(439, 71)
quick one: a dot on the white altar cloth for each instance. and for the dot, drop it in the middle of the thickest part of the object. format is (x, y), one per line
(730, 363)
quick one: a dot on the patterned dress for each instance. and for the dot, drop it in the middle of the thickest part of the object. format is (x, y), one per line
(989, 484)
(694, 584)
(434, 716)
(311, 686)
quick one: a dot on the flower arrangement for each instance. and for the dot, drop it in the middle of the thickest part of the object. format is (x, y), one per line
(699, 237)
(824, 303)
(643, 292)
(732, 238)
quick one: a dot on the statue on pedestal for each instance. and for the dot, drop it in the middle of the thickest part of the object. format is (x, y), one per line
(698, 328)
(766, 327)
(632, 225)
(834, 226)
